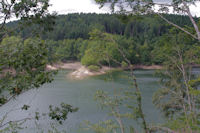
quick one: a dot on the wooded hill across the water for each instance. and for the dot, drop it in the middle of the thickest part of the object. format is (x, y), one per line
(74, 26)
(93, 38)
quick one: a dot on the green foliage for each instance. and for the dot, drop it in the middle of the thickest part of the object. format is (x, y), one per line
(140, 37)
(3, 100)
(51, 50)
(103, 49)
(91, 57)
(80, 25)
(105, 40)
(23, 61)
(23, 65)
(94, 68)
(25, 107)
(60, 114)
(68, 50)
(124, 64)
(179, 97)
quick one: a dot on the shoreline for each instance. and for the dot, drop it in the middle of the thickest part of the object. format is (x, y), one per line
(70, 66)
(145, 67)
(84, 72)
(80, 71)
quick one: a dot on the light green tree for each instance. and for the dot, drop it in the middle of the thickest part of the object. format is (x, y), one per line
(23, 65)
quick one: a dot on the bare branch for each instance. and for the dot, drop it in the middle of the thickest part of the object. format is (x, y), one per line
(192, 20)
(17, 121)
(178, 27)
(7, 100)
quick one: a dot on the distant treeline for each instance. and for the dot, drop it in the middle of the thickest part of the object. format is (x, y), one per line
(75, 35)
(74, 26)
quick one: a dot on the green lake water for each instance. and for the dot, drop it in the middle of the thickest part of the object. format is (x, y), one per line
(80, 93)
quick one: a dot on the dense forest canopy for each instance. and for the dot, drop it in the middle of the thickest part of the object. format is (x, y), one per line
(78, 25)
(138, 35)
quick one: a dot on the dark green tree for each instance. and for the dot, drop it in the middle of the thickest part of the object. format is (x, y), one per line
(148, 6)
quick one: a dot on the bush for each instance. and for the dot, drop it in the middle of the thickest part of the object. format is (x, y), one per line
(124, 64)
(89, 58)
(93, 68)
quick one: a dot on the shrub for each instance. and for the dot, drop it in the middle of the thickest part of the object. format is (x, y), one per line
(124, 64)
(89, 58)
(93, 68)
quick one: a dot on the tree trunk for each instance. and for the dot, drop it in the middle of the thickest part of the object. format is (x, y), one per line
(193, 21)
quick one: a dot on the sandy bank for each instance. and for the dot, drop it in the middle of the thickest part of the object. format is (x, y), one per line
(85, 72)
(147, 67)
(81, 72)
(71, 66)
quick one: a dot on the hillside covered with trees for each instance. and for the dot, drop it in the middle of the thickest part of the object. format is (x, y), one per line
(76, 36)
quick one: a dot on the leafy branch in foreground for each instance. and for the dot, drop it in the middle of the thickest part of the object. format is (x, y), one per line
(179, 97)
(60, 114)
(22, 66)
(129, 98)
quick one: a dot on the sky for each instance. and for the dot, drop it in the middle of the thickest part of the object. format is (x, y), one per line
(89, 6)
(72, 6)
(195, 10)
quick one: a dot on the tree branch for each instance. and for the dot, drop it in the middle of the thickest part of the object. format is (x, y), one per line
(192, 20)
(178, 27)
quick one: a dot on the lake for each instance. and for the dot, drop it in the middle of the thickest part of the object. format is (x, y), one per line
(80, 93)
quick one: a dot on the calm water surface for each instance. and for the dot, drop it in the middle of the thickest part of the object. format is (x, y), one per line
(80, 93)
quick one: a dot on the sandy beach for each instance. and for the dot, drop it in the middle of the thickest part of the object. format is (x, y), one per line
(81, 71)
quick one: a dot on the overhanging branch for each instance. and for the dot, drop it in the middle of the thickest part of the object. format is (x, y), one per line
(178, 27)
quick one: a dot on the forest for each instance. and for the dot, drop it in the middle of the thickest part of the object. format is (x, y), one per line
(141, 37)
